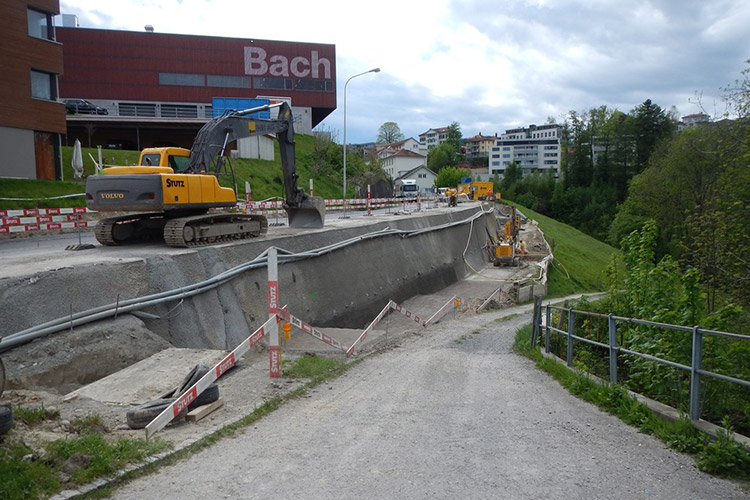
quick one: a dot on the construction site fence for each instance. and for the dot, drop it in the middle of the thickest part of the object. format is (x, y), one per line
(697, 333)
(26, 220)
(42, 219)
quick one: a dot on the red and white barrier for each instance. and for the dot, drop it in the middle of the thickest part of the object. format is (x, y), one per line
(41, 219)
(274, 352)
(311, 330)
(181, 403)
(22, 212)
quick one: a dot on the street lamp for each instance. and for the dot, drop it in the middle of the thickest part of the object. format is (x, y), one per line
(374, 70)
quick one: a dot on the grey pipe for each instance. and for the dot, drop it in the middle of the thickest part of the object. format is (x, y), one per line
(102, 312)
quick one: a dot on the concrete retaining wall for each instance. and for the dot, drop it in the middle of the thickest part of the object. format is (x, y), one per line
(345, 288)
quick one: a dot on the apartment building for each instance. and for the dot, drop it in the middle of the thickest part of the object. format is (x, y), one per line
(479, 146)
(433, 137)
(32, 121)
(400, 161)
(533, 148)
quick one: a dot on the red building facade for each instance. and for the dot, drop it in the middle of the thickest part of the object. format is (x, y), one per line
(154, 67)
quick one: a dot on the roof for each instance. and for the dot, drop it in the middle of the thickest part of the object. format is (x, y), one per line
(479, 137)
(437, 130)
(407, 153)
(395, 145)
(410, 172)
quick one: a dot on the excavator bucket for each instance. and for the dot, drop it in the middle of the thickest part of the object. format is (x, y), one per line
(311, 213)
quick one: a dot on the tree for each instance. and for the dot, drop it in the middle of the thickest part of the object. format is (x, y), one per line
(441, 156)
(454, 136)
(389, 132)
(696, 188)
(651, 124)
(511, 176)
(451, 177)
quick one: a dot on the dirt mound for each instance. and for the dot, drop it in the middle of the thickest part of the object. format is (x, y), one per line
(65, 361)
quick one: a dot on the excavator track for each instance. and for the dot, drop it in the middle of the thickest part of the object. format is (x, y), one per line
(114, 231)
(211, 229)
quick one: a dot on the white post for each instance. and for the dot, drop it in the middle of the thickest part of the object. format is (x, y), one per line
(248, 192)
(369, 202)
(311, 187)
(274, 354)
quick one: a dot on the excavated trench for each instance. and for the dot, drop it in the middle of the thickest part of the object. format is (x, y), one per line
(343, 288)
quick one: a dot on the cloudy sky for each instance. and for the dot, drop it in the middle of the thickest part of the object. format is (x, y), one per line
(487, 64)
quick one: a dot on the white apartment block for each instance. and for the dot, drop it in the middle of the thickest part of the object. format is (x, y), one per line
(534, 149)
(433, 137)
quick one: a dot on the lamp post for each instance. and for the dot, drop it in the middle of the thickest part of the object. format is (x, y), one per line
(374, 70)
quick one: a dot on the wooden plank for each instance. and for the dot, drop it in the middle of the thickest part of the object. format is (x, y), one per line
(204, 411)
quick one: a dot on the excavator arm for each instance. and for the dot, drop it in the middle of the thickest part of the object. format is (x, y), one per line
(211, 142)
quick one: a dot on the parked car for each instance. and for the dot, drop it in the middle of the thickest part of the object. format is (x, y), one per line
(83, 107)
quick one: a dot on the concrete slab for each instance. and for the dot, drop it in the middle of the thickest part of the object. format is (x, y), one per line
(149, 378)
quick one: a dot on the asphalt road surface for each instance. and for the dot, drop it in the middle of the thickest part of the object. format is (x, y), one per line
(450, 413)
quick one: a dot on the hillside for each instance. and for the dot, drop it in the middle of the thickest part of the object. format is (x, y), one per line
(265, 177)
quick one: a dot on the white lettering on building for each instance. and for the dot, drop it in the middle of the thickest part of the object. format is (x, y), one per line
(258, 63)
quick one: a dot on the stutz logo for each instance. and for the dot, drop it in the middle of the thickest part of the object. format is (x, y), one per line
(174, 183)
(111, 196)
(225, 365)
(181, 404)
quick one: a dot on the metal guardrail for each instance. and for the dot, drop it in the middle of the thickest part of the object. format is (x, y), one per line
(695, 370)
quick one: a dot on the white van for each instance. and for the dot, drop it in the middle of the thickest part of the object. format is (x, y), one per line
(406, 188)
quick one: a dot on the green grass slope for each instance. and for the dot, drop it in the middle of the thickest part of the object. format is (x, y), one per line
(265, 177)
(579, 259)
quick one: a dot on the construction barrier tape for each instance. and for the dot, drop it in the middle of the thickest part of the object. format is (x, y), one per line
(182, 402)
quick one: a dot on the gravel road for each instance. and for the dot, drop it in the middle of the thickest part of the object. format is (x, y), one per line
(451, 412)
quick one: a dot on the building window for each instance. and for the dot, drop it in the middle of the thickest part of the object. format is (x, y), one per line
(314, 85)
(227, 81)
(182, 79)
(40, 24)
(43, 85)
(272, 83)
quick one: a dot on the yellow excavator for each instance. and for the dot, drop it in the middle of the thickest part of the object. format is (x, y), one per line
(176, 191)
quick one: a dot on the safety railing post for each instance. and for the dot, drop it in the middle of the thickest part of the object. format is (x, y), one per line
(534, 322)
(274, 353)
(695, 377)
(546, 330)
(612, 349)
(571, 321)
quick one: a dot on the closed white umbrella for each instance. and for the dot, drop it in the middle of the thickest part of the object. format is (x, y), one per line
(77, 162)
